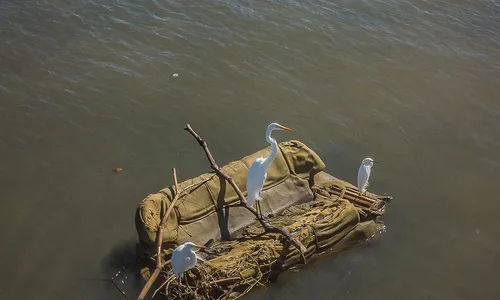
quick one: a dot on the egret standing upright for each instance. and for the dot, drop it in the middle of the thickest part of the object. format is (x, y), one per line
(364, 174)
(184, 258)
(258, 171)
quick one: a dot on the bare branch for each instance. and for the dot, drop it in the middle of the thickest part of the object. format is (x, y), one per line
(267, 227)
(118, 288)
(159, 239)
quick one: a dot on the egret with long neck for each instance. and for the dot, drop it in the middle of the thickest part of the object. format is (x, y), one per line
(364, 173)
(257, 173)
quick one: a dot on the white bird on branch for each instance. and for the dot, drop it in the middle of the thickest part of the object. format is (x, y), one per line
(258, 171)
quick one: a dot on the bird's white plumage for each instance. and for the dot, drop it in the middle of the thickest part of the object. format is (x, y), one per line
(257, 173)
(255, 180)
(363, 177)
(183, 258)
(364, 174)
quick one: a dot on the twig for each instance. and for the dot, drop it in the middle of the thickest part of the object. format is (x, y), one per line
(165, 218)
(228, 293)
(167, 280)
(248, 289)
(225, 280)
(267, 227)
(118, 288)
(159, 238)
(151, 280)
(213, 164)
(112, 279)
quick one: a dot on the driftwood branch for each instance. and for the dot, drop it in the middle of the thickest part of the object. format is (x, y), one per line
(243, 202)
(370, 204)
(159, 238)
(163, 222)
(112, 280)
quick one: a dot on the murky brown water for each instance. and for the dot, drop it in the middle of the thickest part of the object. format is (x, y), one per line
(86, 87)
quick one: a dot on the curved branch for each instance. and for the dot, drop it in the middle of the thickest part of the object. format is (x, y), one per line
(267, 227)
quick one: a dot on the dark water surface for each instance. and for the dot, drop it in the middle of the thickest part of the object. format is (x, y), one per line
(87, 86)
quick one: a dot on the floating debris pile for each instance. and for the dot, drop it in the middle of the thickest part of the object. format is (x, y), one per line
(308, 211)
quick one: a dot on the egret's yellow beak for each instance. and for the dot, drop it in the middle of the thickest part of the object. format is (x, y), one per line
(200, 246)
(285, 128)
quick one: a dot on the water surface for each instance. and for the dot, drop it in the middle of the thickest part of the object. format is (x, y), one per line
(87, 86)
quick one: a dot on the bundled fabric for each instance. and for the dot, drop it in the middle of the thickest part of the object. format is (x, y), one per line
(232, 268)
(202, 212)
(324, 213)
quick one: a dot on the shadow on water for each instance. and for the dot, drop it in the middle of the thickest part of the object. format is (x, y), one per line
(122, 264)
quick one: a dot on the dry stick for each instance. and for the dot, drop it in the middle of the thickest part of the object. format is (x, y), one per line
(228, 293)
(356, 196)
(372, 197)
(151, 280)
(356, 199)
(112, 280)
(352, 196)
(226, 280)
(159, 238)
(118, 288)
(160, 287)
(267, 227)
(366, 203)
(165, 218)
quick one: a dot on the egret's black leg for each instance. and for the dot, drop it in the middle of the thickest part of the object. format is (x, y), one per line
(261, 215)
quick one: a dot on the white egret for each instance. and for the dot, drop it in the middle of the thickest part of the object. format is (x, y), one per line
(184, 258)
(364, 174)
(258, 171)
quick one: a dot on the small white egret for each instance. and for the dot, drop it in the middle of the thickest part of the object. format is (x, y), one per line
(258, 170)
(184, 258)
(364, 174)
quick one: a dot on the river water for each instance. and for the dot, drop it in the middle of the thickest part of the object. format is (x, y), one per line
(87, 86)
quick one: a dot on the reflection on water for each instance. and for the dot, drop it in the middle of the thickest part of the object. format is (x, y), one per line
(87, 87)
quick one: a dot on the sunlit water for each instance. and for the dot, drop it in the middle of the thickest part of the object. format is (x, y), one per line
(87, 86)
